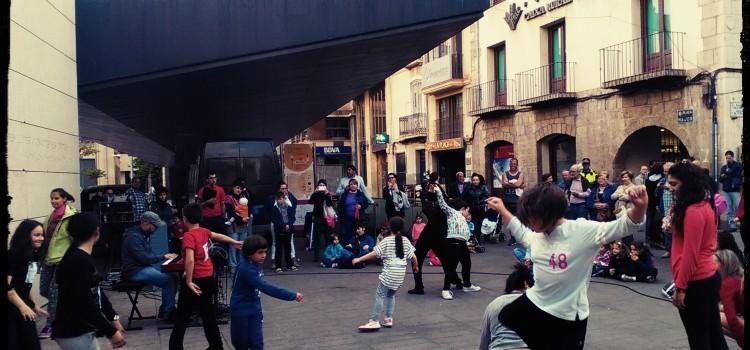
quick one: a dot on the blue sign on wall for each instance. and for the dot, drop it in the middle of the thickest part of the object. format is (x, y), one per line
(333, 150)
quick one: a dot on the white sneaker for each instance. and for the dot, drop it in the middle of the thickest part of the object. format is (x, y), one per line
(447, 295)
(387, 322)
(370, 326)
(472, 288)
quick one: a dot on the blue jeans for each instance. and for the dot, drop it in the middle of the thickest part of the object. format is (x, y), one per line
(235, 255)
(733, 200)
(576, 211)
(86, 341)
(386, 296)
(246, 331)
(166, 281)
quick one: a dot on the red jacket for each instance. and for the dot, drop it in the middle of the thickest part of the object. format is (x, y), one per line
(693, 249)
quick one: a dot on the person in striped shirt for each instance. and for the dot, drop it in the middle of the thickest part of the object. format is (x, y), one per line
(394, 250)
(456, 245)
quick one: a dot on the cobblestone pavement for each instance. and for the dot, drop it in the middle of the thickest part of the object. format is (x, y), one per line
(337, 301)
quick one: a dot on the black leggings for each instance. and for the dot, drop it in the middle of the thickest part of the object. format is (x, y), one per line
(456, 251)
(701, 314)
(426, 243)
(540, 330)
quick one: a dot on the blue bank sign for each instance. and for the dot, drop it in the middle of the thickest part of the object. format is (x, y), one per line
(333, 150)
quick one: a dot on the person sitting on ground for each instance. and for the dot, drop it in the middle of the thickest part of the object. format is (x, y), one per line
(725, 240)
(523, 255)
(334, 253)
(642, 269)
(456, 248)
(416, 231)
(732, 298)
(601, 260)
(140, 264)
(619, 261)
(395, 250)
(361, 244)
(246, 327)
(495, 336)
(562, 252)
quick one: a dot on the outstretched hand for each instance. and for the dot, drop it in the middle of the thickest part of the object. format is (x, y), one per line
(638, 195)
(495, 203)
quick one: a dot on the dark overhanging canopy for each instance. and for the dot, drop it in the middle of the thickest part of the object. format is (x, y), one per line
(181, 72)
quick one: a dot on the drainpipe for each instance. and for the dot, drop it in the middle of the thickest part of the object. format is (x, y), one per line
(711, 103)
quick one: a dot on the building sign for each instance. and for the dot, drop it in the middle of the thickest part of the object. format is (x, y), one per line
(381, 138)
(513, 15)
(551, 6)
(444, 145)
(685, 116)
(333, 150)
(436, 71)
(735, 109)
(299, 173)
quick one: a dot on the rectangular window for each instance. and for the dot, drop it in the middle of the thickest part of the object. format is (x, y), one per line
(377, 109)
(500, 67)
(401, 168)
(417, 97)
(656, 26)
(337, 128)
(421, 166)
(450, 117)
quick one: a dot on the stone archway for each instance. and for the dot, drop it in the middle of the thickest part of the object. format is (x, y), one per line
(555, 152)
(646, 144)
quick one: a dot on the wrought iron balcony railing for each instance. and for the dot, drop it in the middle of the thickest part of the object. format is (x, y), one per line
(546, 84)
(654, 56)
(491, 96)
(413, 125)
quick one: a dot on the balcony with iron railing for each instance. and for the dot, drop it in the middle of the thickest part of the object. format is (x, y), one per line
(412, 126)
(656, 58)
(449, 128)
(492, 98)
(442, 74)
(545, 85)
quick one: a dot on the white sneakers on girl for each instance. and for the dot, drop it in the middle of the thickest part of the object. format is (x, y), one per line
(387, 322)
(447, 295)
(370, 326)
(472, 288)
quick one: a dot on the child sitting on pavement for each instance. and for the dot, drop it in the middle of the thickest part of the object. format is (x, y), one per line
(395, 250)
(334, 254)
(619, 261)
(601, 260)
(361, 244)
(246, 312)
(642, 267)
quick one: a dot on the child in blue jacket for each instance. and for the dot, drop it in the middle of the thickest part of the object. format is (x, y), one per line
(246, 315)
(334, 254)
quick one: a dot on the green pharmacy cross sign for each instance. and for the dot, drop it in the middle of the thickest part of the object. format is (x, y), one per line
(381, 138)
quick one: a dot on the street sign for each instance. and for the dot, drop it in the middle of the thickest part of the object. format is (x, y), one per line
(333, 150)
(381, 138)
(685, 116)
(735, 109)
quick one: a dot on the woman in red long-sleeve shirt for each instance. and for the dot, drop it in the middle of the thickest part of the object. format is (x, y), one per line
(697, 282)
(732, 300)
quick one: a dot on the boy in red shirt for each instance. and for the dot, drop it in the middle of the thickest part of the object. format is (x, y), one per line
(199, 285)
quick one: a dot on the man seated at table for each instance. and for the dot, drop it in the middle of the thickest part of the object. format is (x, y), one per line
(140, 263)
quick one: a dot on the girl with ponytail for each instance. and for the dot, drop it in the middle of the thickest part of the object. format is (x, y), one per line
(394, 250)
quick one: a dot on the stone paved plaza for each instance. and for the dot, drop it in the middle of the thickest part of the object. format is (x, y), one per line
(337, 301)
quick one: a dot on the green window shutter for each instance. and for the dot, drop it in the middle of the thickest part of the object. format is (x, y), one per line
(652, 26)
(667, 25)
(501, 69)
(556, 53)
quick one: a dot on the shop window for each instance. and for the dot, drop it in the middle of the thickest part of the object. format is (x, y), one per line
(401, 168)
(337, 128)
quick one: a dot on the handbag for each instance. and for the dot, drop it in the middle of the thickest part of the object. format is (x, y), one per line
(488, 226)
(330, 216)
(720, 203)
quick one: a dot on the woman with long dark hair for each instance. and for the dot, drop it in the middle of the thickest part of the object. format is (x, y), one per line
(24, 257)
(697, 283)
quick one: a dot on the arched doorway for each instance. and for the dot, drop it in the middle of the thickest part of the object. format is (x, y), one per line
(647, 144)
(497, 156)
(555, 153)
